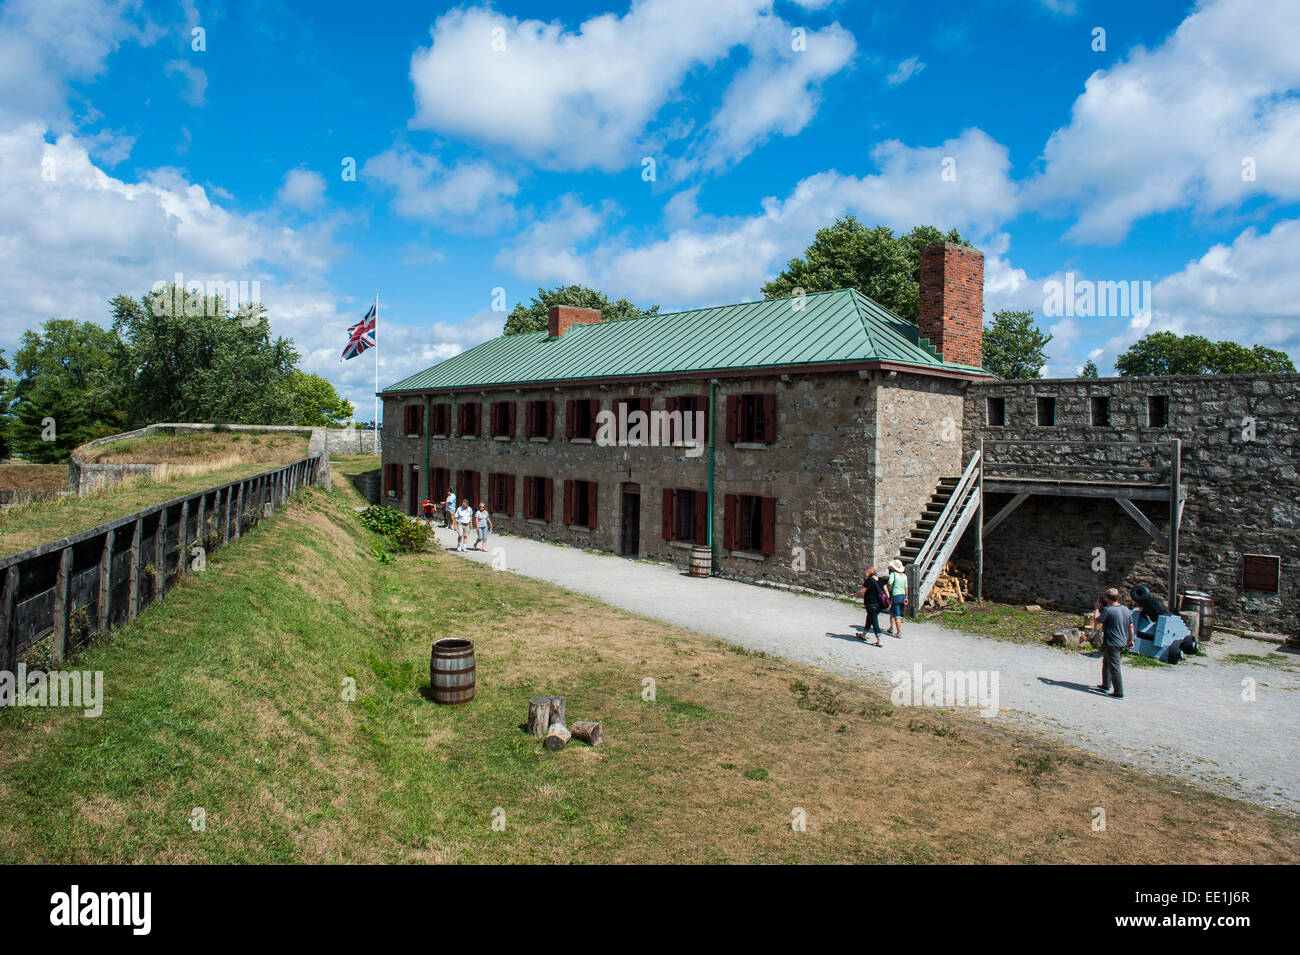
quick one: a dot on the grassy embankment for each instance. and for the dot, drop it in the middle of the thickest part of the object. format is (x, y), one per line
(191, 462)
(228, 696)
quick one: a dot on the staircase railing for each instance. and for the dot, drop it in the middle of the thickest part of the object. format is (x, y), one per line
(942, 540)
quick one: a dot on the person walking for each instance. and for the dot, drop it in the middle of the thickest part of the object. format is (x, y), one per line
(464, 514)
(449, 509)
(428, 512)
(873, 597)
(1117, 633)
(897, 582)
(483, 523)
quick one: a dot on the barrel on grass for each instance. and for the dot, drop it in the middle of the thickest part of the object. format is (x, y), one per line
(451, 671)
(701, 561)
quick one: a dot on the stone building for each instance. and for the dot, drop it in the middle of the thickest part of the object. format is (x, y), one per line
(834, 434)
(826, 423)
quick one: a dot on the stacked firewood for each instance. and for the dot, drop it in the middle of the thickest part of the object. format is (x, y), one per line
(546, 722)
(954, 585)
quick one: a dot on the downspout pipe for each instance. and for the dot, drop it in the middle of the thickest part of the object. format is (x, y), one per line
(713, 560)
(428, 427)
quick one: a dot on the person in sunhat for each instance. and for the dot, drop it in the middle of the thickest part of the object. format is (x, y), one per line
(897, 583)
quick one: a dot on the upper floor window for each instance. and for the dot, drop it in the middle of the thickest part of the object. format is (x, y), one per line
(580, 418)
(441, 419)
(751, 418)
(1046, 412)
(413, 420)
(469, 419)
(503, 419)
(539, 419)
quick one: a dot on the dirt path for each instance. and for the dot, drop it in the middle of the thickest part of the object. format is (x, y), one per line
(1189, 721)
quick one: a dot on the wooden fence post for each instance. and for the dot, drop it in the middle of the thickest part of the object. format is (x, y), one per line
(62, 608)
(133, 601)
(8, 631)
(106, 580)
(225, 516)
(160, 556)
(182, 538)
(201, 528)
(239, 510)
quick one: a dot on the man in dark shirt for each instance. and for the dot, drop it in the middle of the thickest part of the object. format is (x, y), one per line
(1116, 634)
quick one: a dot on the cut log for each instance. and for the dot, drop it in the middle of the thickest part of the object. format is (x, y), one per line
(1070, 637)
(556, 737)
(557, 710)
(588, 732)
(539, 716)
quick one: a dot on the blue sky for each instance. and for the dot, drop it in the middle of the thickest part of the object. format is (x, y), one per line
(507, 147)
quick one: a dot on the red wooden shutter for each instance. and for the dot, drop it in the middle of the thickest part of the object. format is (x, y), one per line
(769, 526)
(733, 418)
(494, 480)
(549, 430)
(591, 504)
(769, 419)
(569, 488)
(510, 420)
(670, 508)
(570, 416)
(674, 429)
(730, 521)
(547, 507)
(510, 495)
(594, 404)
(528, 497)
(701, 517)
(530, 416)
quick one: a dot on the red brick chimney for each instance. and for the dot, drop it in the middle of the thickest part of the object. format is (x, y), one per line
(951, 310)
(560, 317)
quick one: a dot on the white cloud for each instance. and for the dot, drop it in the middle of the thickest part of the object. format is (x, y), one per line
(706, 259)
(194, 81)
(471, 196)
(584, 98)
(1170, 128)
(904, 71)
(777, 93)
(72, 236)
(303, 189)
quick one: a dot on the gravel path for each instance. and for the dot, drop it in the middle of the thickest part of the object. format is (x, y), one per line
(1188, 721)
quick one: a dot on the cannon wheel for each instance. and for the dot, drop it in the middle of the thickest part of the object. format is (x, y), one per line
(1175, 652)
(1189, 646)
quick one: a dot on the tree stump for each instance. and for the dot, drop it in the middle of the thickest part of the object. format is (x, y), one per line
(557, 711)
(1070, 637)
(588, 732)
(556, 737)
(539, 716)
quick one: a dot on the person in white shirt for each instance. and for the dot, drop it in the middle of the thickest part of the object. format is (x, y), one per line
(449, 506)
(464, 514)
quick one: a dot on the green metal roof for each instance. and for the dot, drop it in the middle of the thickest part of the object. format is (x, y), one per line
(839, 326)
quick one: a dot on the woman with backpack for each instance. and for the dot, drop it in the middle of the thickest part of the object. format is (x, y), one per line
(875, 597)
(897, 582)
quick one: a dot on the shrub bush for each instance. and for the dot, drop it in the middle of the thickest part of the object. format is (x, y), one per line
(405, 534)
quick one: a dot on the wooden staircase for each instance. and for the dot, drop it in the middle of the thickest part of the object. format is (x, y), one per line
(921, 532)
(951, 508)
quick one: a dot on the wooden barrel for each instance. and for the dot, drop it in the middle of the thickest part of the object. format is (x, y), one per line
(451, 671)
(1203, 604)
(701, 560)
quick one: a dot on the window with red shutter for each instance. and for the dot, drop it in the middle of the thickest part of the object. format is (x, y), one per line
(730, 521)
(768, 534)
(569, 488)
(549, 485)
(570, 417)
(733, 418)
(510, 496)
(670, 511)
(591, 504)
(701, 517)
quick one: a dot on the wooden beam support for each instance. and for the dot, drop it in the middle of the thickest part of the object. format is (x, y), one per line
(1003, 514)
(182, 541)
(1143, 522)
(160, 556)
(62, 606)
(8, 637)
(137, 539)
(105, 601)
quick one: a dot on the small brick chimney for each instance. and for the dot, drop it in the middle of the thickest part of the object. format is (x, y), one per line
(951, 310)
(560, 317)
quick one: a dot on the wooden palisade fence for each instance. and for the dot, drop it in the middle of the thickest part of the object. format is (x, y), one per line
(85, 584)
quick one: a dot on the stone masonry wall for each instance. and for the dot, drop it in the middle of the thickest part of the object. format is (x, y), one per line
(1240, 439)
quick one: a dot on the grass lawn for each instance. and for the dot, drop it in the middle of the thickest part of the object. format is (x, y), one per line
(24, 526)
(202, 447)
(25, 476)
(229, 696)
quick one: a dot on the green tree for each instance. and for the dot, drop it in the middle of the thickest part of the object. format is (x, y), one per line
(1013, 345)
(533, 316)
(1089, 370)
(201, 362)
(1168, 353)
(316, 403)
(66, 390)
(874, 261)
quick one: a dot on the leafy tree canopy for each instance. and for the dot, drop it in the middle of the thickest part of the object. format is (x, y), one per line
(533, 316)
(874, 261)
(66, 390)
(316, 403)
(1013, 345)
(1089, 370)
(1167, 353)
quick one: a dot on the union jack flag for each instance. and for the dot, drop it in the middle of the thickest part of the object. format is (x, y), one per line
(361, 336)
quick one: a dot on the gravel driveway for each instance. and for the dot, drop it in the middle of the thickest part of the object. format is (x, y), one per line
(1189, 720)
